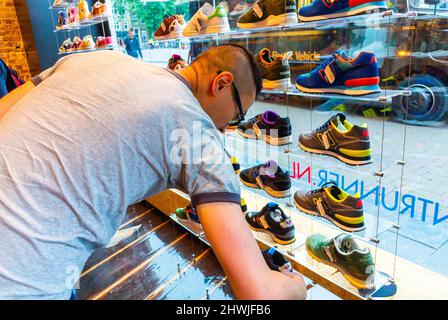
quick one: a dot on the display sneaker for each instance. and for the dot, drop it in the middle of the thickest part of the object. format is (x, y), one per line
(207, 20)
(176, 62)
(346, 255)
(83, 10)
(266, 13)
(272, 220)
(102, 42)
(239, 9)
(62, 20)
(189, 218)
(334, 204)
(235, 164)
(66, 46)
(276, 261)
(269, 177)
(73, 16)
(170, 28)
(340, 139)
(268, 126)
(343, 75)
(243, 205)
(328, 9)
(88, 43)
(98, 9)
(77, 43)
(276, 71)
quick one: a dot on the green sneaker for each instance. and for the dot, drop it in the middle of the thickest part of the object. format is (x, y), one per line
(347, 256)
(267, 13)
(207, 20)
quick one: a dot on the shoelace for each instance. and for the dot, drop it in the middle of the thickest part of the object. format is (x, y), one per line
(324, 126)
(330, 183)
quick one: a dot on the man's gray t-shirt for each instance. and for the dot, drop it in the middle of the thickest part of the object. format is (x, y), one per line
(99, 132)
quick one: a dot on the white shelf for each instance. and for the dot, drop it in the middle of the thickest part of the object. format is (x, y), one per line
(364, 20)
(111, 47)
(382, 96)
(84, 23)
(63, 5)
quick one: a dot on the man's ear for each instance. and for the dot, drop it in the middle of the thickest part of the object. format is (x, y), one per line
(222, 82)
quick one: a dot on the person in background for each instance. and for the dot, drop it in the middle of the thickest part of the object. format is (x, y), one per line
(9, 79)
(3, 75)
(133, 45)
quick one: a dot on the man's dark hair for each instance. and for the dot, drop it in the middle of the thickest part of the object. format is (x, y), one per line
(230, 57)
(131, 29)
(254, 68)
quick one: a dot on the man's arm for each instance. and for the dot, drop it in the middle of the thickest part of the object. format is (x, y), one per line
(239, 255)
(8, 101)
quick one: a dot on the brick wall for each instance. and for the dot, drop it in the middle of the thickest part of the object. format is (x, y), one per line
(17, 47)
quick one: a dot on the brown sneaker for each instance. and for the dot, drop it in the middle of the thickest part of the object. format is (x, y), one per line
(334, 204)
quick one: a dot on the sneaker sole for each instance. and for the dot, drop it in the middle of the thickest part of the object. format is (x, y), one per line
(280, 20)
(335, 155)
(268, 190)
(271, 140)
(353, 281)
(250, 185)
(352, 12)
(171, 35)
(336, 223)
(277, 240)
(247, 135)
(272, 192)
(281, 84)
(347, 92)
(209, 30)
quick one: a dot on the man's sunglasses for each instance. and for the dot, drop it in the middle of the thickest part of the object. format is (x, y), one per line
(238, 103)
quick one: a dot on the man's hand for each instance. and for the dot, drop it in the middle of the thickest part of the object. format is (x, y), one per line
(239, 255)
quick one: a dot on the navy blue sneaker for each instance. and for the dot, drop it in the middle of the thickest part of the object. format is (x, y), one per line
(343, 75)
(329, 9)
(272, 220)
(276, 261)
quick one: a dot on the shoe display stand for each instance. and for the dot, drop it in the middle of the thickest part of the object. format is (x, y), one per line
(89, 26)
(84, 23)
(406, 283)
(317, 273)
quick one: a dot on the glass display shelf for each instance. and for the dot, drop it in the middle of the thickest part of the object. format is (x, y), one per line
(84, 24)
(429, 14)
(382, 96)
(374, 224)
(63, 5)
(248, 157)
(311, 269)
(87, 50)
(364, 20)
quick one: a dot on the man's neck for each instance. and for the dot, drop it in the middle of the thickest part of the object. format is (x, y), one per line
(191, 76)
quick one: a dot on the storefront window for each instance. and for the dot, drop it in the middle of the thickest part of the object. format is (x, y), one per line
(396, 167)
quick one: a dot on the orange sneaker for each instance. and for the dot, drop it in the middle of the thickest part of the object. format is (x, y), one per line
(83, 10)
(98, 9)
